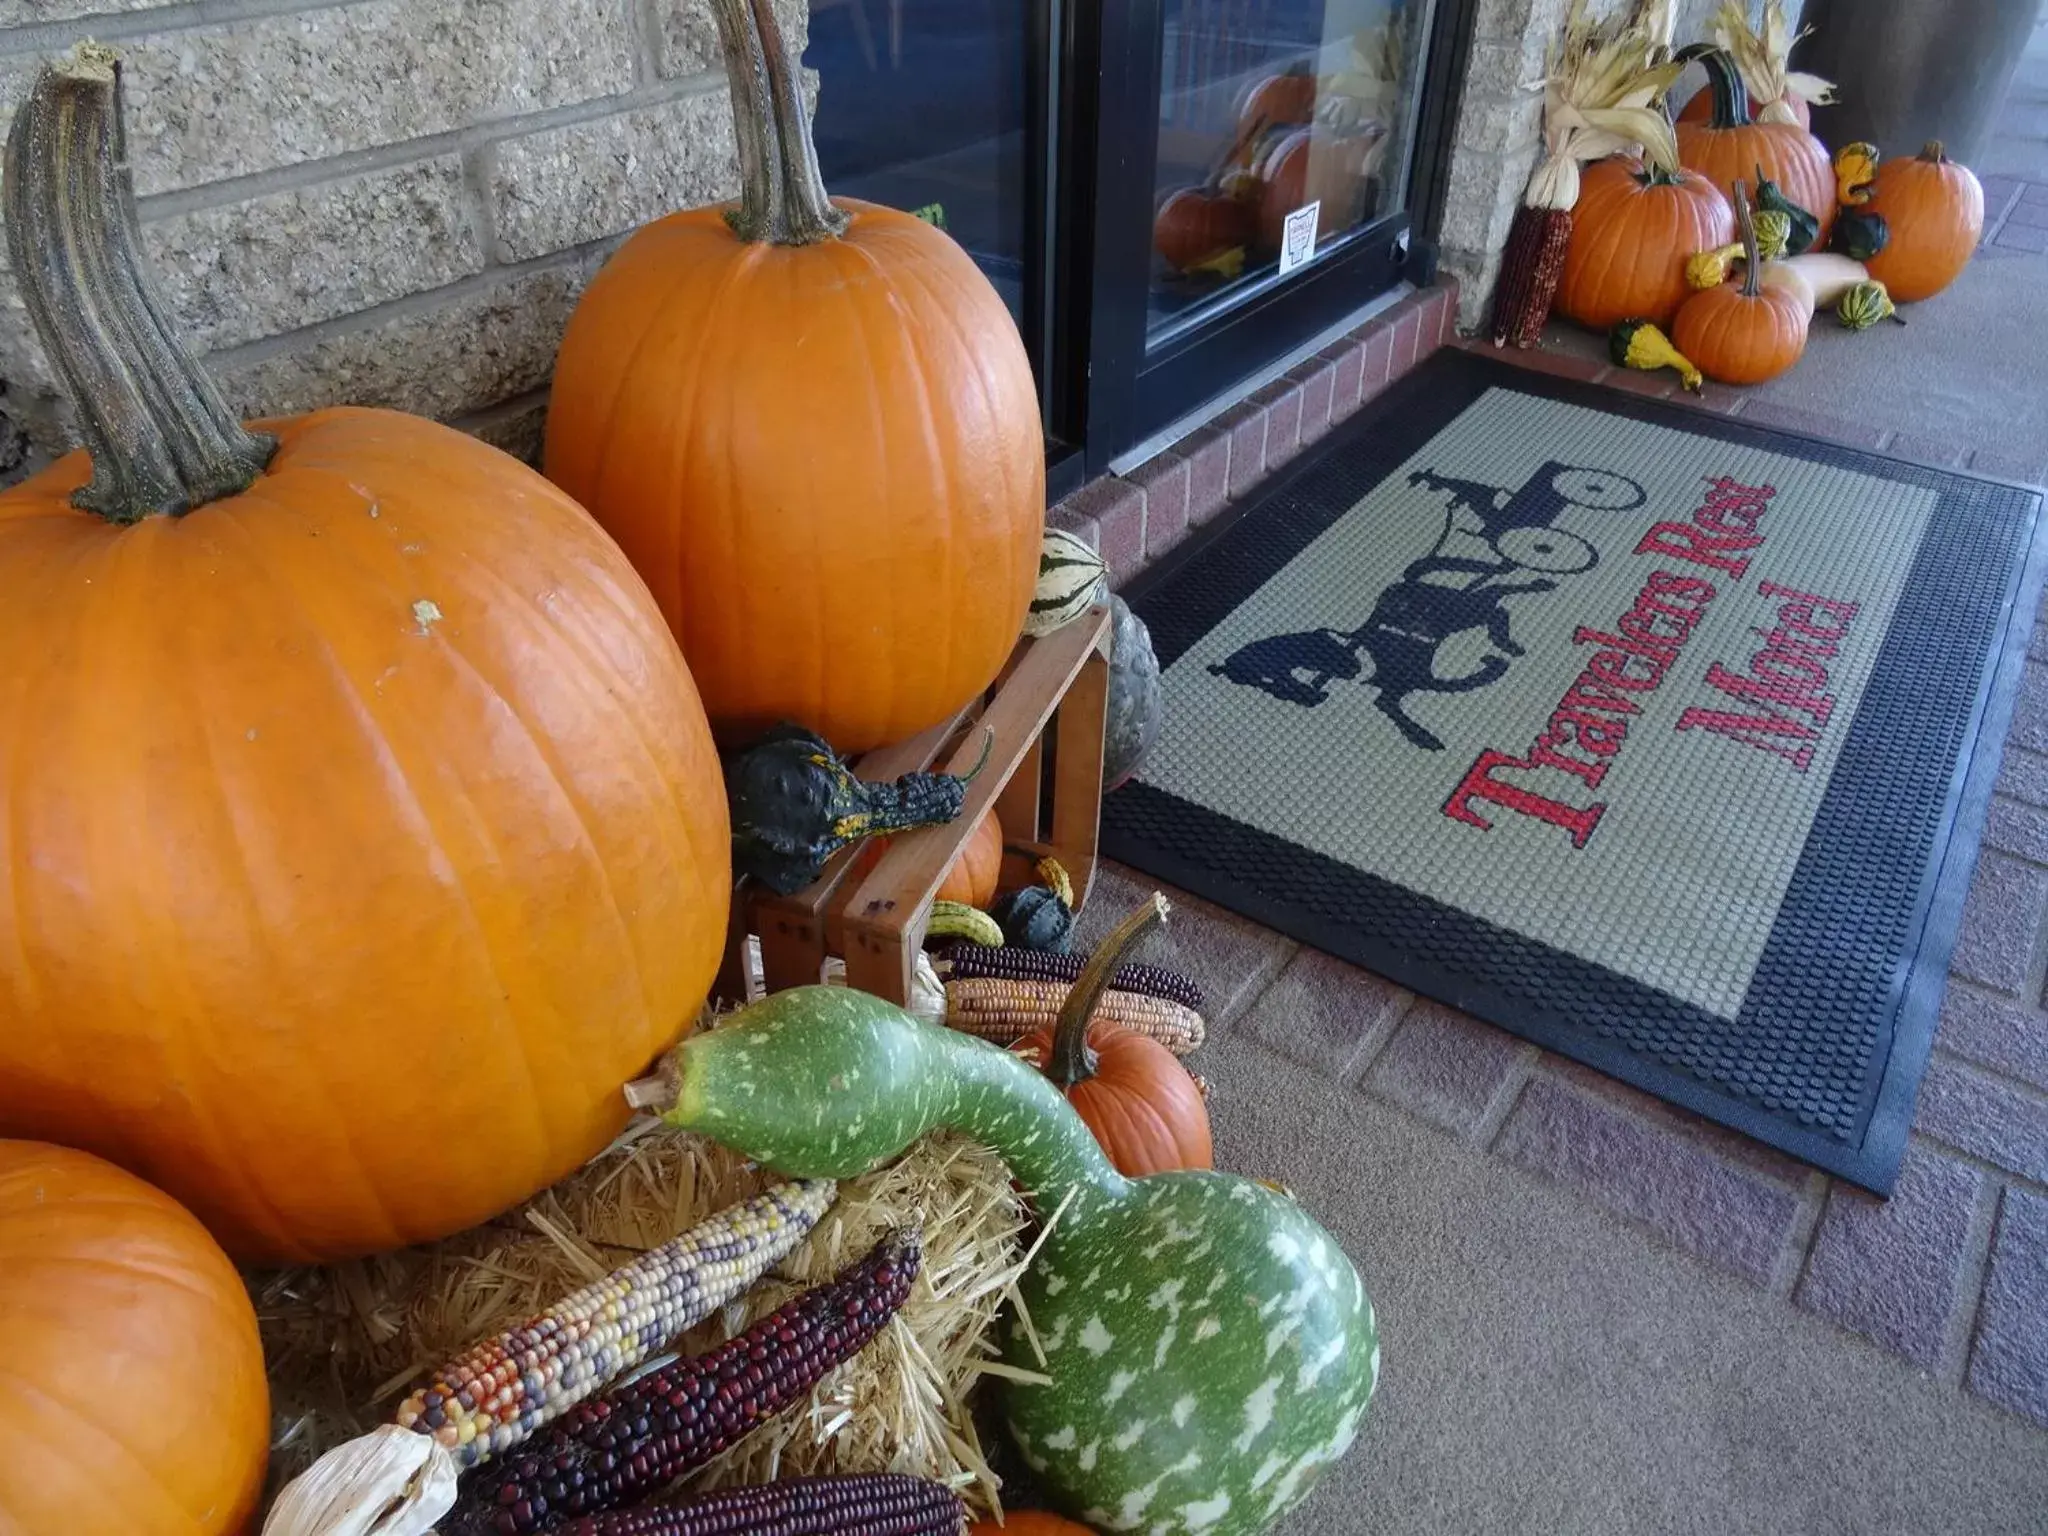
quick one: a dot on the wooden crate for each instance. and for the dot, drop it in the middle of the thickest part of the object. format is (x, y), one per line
(1052, 694)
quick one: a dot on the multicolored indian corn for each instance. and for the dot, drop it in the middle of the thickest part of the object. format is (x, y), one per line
(639, 1438)
(1003, 1012)
(1017, 964)
(866, 1503)
(504, 1389)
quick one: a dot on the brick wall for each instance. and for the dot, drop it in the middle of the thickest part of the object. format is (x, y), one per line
(1500, 129)
(386, 202)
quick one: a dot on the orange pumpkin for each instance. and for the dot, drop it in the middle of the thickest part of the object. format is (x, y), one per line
(813, 429)
(1728, 147)
(1028, 1522)
(1143, 1106)
(1935, 211)
(1304, 166)
(1632, 231)
(1278, 101)
(372, 833)
(1196, 223)
(974, 874)
(133, 1402)
(1701, 108)
(1743, 333)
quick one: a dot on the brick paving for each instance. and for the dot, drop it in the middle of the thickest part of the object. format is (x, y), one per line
(2015, 216)
(1952, 1272)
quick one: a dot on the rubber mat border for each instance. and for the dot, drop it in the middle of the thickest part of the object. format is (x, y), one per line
(1385, 433)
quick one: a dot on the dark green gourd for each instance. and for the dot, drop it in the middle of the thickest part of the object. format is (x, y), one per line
(1211, 1347)
(795, 804)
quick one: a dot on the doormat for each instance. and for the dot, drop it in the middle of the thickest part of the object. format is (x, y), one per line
(1660, 740)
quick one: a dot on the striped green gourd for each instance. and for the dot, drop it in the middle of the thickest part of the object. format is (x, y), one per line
(1211, 1348)
(1071, 576)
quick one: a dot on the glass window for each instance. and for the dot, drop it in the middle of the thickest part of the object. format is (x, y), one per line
(921, 106)
(1284, 125)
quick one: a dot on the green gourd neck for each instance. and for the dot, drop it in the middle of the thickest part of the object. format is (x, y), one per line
(831, 1082)
(1731, 94)
(782, 192)
(161, 439)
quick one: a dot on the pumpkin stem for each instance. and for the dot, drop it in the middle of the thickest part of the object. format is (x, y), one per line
(1731, 95)
(782, 192)
(1933, 152)
(1071, 1059)
(1752, 258)
(161, 438)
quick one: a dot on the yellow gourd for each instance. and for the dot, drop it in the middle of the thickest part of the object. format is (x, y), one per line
(1639, 344)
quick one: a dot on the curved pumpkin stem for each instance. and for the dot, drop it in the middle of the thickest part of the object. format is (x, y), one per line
(162, 439)
(782, 192)
(1933, 153)
(1752, 257)
(1071, 1060)
(1731, 95)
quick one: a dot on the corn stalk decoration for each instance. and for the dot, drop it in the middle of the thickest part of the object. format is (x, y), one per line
(1762, 55)
(1603, 91)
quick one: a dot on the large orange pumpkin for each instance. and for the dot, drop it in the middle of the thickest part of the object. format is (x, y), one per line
(813, 429)
(367, 831)
(1700, 108)
(1728, 147)
(1747, 332)
(1935, 211)
(1029, 1522)
(132, 1402)
(1633, 229)
(1275, 101)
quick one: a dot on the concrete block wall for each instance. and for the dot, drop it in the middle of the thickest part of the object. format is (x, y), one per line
(1500, 130)
(383, 202)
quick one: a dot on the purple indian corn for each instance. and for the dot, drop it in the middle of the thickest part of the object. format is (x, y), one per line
(1014, 963)
(636, 1440)
(507, 1387)
(858, 1504)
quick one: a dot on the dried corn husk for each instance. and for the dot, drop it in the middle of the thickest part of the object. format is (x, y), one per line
(1602, 89)
(1761, 57)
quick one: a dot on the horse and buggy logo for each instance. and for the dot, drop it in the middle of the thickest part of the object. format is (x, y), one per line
(1496, 544)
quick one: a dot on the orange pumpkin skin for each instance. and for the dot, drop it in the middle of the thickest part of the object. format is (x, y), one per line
(1789, 156)
(1632, 232)
(1194, 225)
(133, 1402)
(1738, 338)
(972, 879)
(1028, 1522)
(371, 837)
(1935, 209)
(1141, 1103)
(1278, 101)
(1701, 107)
(824, 459)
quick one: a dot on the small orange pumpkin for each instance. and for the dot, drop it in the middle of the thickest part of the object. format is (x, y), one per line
(1633, 229)
(972, 879)
(1935, 210)
(1728, 147)
(1197, 223)
(1029, 1522)
(1748, 333)
(1278, 101)
(1144, 1107)
(133, 1402)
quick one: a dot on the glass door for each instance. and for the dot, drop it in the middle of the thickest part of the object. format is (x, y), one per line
(1259, 177)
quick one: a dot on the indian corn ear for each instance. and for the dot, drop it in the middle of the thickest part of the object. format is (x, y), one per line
(966, 960)
(504, 1389)
(634, 1441)
(1002, 1012)
(867, 1503)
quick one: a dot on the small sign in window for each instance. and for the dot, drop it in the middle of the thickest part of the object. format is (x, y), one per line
(1298, 237)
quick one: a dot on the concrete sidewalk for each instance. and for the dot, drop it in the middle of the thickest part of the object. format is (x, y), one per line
(1604, 1315)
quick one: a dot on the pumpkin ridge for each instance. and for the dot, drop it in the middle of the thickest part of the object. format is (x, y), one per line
(400, 784)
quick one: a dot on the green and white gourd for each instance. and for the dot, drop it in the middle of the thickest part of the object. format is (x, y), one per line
(1071, 578)
(1212, 1350)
